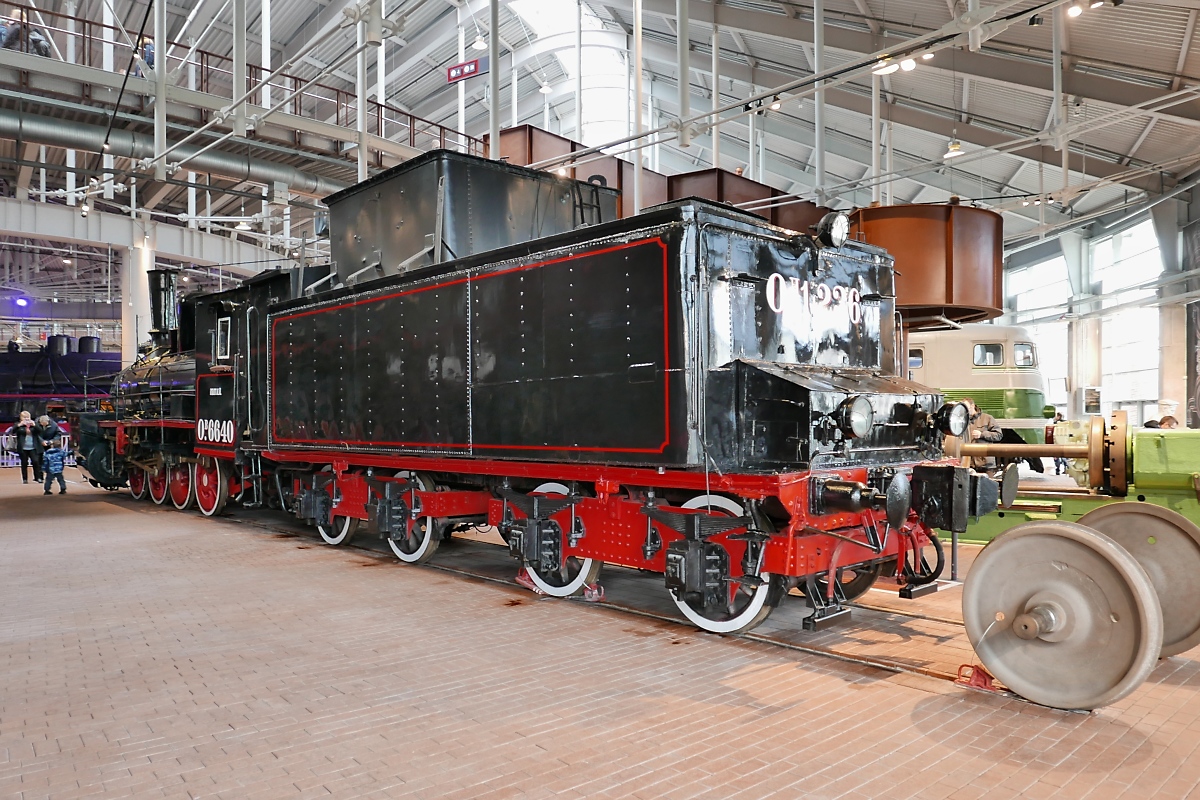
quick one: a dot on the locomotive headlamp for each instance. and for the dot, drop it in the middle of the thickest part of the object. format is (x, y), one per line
(833, 229)
(952, 419)
(856, 417)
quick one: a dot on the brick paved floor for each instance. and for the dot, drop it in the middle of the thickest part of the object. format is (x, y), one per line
(146, 653)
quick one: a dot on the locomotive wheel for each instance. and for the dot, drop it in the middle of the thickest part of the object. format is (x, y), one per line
(423, 537)
(179, 486)
(340, 532)
(748, 606)
(1062, 615)
(157, 484)
(212, 487)
(1167, 545)
(921, 571)
(137, 483)
(853, 581)
(576, 573)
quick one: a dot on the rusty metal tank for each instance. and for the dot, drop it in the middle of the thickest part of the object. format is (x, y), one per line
(949, 260)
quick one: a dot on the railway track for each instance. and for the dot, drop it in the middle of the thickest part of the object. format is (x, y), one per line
(916, 640)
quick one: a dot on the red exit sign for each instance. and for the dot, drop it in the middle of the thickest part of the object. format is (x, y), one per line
(467, 69)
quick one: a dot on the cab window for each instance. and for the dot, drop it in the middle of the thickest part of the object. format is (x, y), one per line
(1024, 355)
(224, 324)
(989, 355)
(916, 359)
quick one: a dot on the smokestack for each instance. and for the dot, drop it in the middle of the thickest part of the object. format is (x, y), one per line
(164, 312)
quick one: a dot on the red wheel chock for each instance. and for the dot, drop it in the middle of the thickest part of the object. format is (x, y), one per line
(593, 593)
(976, 677)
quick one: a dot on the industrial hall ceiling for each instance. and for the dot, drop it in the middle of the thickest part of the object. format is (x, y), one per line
(1129, 119)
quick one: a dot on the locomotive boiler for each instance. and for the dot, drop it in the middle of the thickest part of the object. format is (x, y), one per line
(691, 391)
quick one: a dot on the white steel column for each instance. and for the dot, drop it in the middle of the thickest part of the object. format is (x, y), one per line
(683, 56)
(70, 55)
(266, 51)
(637, 105)
(239, 65)
(752, 144)
(106, 36)
(462, 85)
(494, 79)
(819, 105)
(136, 262)
(191, 176)
(578, 70)
(360, 88)
(716, 89)
(888, 166)
(70, 156)
(876, 189)
(160, 89)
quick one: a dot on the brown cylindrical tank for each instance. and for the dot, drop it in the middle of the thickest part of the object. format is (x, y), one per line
(949, 259)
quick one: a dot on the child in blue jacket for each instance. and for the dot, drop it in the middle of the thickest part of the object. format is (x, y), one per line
(53, 461)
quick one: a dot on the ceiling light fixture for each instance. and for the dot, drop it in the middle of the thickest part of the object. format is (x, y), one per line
(66, 261)
(885, 67)
(22, 302)
(776, 103)
(1074, 10)
(479, 43)
(83, 209)
(953, 149)
(545, 88)
(1097, 3)
(926, 56)
(908, 65)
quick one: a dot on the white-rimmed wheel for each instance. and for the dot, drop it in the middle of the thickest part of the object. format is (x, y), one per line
(1062, 615)
(422, 538)
(157, 483)
(747, 605)
(575, 574)
(211, 486)
(1167, 545)
(179, 486)
(340, 531)
(137, 483)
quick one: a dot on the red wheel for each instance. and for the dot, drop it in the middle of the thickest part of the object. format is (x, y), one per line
(157, 483)
(137, 483)
(212, 487)
(179, 480)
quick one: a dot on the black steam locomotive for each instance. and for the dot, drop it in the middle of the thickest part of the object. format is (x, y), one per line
(690, 391)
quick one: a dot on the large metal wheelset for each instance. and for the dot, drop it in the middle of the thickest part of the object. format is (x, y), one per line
(1076, 614)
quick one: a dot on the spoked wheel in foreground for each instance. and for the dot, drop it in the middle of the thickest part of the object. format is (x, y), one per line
(157, 484)
(576, 573)
(1167, 545)
(137, 483)
(212, 486)
(422, 538)
(1062, 615)
(341, 531)
(179, 486)
(747, 605)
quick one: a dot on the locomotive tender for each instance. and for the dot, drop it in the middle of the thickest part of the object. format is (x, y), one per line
(690, 391)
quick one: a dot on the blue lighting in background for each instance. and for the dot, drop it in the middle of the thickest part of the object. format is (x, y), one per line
(22, 301)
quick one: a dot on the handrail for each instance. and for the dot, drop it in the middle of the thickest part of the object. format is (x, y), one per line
(385, 121)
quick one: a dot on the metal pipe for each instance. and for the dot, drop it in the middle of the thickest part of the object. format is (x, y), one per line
(683, 48)
(1025, 450)
(890, 195)
(513, 91)
(462, 85)
(494, 80)
(160, 90)
(876, 187)
(265, 52)
(819, 106)
(716, 90)
(578, 70)
(239, 65)
(15, 125)
(637, 105)
(360, 91)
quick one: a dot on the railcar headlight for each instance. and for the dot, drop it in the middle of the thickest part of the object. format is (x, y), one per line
(952, 419)
(833, 229)
(856, 417)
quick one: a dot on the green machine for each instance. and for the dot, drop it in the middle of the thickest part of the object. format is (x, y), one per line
(1114, 464)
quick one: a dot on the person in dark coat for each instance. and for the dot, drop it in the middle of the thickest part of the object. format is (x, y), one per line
(28, 446)
(48, 430)
(982, 428)
(22, 36)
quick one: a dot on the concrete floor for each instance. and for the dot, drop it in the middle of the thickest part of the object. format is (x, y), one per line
(146, 652)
